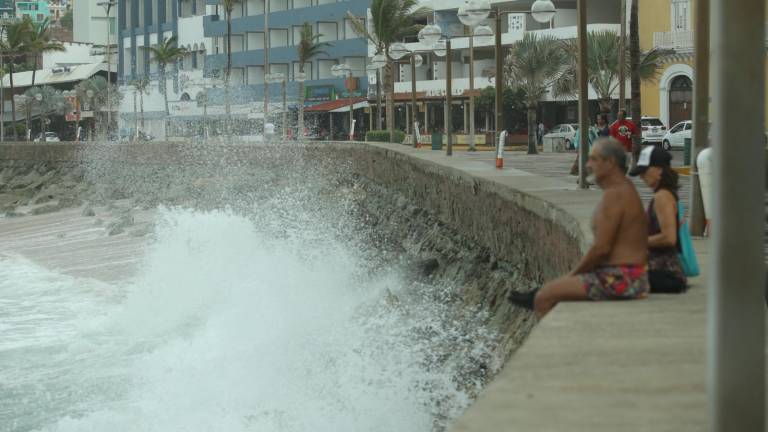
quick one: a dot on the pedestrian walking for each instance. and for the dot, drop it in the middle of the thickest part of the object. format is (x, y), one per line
(540, 133)
(598, 130)
(623, 129)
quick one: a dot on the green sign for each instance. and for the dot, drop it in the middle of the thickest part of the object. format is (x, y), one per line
(320, 93)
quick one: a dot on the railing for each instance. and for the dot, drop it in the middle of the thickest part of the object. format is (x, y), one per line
(677, 40)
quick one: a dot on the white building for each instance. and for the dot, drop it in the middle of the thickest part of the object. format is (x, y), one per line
(91, 25)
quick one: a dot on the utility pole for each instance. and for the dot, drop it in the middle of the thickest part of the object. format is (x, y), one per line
(581, 11)
(623, 56)
(266, 59)
(700, 128)
(107, 5)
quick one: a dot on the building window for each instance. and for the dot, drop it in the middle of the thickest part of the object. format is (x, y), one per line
(237, 43)
(681, 15)
(298, 4)
(297, 34)
(254, 7)
(237, 77)
(255, 40)
(278, 5)
(357, 64)
(278, 38)
(169, 11)
(307, 69)
(324, 69)
(328, 31)
(349, 30)
(255, 75)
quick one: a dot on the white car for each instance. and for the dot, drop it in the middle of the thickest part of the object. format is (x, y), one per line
(675, 137)
(49, 137)
(652, 129)
(565, 131)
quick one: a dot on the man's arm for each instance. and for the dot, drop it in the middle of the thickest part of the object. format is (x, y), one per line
(607, 220)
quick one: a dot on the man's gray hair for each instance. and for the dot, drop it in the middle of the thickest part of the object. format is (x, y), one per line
(610, 148)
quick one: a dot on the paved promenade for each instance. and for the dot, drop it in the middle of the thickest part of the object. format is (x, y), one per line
(593, 367)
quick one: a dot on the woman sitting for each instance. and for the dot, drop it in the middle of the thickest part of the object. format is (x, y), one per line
(665, 272)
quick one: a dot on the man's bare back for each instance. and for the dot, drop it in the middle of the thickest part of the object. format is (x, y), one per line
(630, 243)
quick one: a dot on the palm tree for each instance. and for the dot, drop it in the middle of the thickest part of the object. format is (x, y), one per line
(40, 42)
(98, 86)
(229, 6)
(308, 47)
(141, 86)
(165, 54)
(634, 61)
(392, 21)
(603, 57)
(534, 64)
(52, 102)
(13, 46)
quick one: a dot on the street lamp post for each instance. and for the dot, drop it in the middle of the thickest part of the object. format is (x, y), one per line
(542, 11)
(398, 51)
(344, 70)
(41, 113)
(107, 5)
(300, 77)
(90, 95)
(432, 35)
(274, 78)
(378, 61)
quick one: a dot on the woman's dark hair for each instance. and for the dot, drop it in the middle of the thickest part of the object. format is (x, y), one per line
(669, 180)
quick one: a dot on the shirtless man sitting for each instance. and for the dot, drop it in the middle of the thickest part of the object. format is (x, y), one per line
(615, 266)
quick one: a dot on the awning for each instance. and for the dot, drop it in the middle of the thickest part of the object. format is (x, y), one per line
(338, 105)
(358, 105)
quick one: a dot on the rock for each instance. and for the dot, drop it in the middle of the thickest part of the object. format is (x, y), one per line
(48, 208)
(88, 211)
(429, 266)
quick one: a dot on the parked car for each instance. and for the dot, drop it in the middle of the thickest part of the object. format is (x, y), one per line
(675, 137)
(49, 137)
(652, 129)
(563, 131)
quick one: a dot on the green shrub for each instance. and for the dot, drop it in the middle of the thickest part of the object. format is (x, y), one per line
(383, 136)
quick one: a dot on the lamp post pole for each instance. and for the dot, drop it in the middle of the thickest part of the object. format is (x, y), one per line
(448, 99)
(285, 108)
(107, 5)
(581, 10)
(413, 98)
(351, 104)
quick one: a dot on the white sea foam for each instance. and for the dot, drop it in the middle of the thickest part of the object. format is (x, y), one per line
(226, 328)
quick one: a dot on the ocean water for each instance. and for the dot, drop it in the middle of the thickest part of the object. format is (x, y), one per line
(236, 323)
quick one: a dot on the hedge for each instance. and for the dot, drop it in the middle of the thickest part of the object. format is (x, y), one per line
(383, 136)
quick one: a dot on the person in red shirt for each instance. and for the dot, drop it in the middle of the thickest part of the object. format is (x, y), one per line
(623, 129)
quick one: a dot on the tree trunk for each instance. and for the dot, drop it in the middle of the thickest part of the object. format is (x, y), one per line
(389, 88)
(13, 106)
(300, 131)
(141, 107)
(228, 72)
(605, 105)
(634, 59)
(165, 90)
(532, 129)
(34, 71)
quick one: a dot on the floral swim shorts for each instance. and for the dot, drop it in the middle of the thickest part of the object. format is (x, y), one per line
(616, 282)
